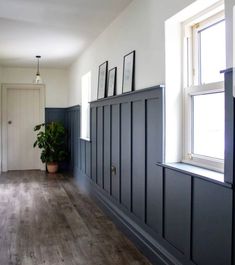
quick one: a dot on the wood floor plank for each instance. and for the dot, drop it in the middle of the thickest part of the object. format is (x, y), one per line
(47, 220)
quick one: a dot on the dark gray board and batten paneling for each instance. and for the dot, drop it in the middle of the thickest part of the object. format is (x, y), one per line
(212, 223)
(177, 210)
(183, 217)
(70, 118)
(83, 157)
(115, 150)
(88, 158)
(126, 155)
(99, 146)
(125, 122)
(229, 168)
(107, 150)
(58, 115)
(93, 144)
(154, 152)
(72, 137)
(138, 159)
(73, 128)
(55, 114)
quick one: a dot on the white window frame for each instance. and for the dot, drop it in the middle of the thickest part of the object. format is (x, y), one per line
(198, 27)
(192, 84)
(85, 106)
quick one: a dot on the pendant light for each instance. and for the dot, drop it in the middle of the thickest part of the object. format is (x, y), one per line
(38, 79)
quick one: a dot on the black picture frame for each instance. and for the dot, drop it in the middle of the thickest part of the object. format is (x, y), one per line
(112, 82)
(102, 80)
(128, 78)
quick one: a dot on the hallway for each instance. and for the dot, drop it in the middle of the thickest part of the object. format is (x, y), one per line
(47, 220)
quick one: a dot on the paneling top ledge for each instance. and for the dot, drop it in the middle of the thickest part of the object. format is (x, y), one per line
(208, 175)
(128, 94)
(226, 71)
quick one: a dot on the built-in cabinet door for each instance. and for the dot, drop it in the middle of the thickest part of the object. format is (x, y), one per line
(99, 146)
(93, 144)
(107, 149)
(115, 151)
(126, 155)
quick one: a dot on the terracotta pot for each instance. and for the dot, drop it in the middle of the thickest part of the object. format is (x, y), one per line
(52, 167)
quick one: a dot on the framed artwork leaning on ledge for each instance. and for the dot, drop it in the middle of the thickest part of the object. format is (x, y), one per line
(128, 72)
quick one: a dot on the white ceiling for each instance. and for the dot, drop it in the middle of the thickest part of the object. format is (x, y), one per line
(58, 30)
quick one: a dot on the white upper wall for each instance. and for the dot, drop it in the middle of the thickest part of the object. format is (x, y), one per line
(140, 27)
(56, 82)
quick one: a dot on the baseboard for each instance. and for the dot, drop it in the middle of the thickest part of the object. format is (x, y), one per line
(143, 240)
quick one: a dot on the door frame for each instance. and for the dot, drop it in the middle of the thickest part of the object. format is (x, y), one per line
(3, 117)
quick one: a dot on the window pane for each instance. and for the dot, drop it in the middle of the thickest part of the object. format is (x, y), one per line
(208, 125)
(212, 53)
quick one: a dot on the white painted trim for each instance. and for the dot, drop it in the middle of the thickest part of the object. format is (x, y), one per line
(174, 81)
(3, 117)
(207, 17)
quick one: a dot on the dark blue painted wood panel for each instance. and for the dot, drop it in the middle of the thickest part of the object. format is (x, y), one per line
(76, 135)
(115, 151)
(126, 155)
(83, 156)
(100, 135)
(72, 135)
(73, 129)
(93, 144)
(107, 149)
(58, 115)
(177, 209)
(55, 114)
(154, 197)
(229, 128)
(138, 159)
(88, 158)
(154, 152)
(173, 214)
(212, 223)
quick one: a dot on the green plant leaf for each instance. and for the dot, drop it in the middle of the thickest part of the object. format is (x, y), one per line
(51, 140)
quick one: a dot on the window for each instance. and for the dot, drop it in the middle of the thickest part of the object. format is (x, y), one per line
(85, 108)
(208, 124)
(204, 58)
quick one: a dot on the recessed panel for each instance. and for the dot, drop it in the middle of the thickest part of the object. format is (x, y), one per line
(177, 210)
(138, 159)
(107, 149)
(126, 155)
(115, 136)
(212, 223)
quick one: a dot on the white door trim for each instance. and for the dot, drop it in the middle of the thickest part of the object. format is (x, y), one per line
(3, 117)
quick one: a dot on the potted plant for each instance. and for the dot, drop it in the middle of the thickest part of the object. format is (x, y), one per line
(51, 139)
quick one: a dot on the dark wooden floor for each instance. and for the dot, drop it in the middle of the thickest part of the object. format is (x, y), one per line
(47, 220)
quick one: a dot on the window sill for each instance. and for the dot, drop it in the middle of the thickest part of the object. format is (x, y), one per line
(198, 172)
(85, 139)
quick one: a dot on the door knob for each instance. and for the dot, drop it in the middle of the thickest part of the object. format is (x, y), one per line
(9, 122)
(113, 171)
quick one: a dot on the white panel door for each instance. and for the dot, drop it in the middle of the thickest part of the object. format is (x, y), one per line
(23, 113)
